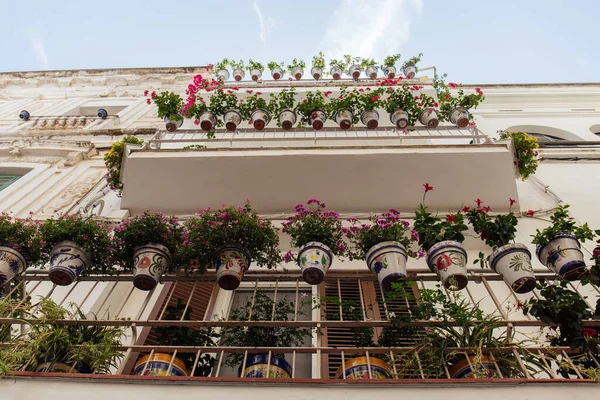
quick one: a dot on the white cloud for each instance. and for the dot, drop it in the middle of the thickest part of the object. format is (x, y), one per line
(581, 61)
(39, 50)
(369, 28)
(261, 23)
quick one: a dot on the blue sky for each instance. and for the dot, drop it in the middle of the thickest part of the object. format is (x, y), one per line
(474, 41)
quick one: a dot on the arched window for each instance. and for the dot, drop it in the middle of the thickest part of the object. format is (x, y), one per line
(543, 138)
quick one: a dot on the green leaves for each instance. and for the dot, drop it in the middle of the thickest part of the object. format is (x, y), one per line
(495, 232)
(168, 103)
(113, 160)
(319, 60)
(432, 229)
(562, 222)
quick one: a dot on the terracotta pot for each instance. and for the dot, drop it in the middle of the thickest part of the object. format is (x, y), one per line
(260, 118)
(208, 121)
(429, 118)
(358, 368)
(409, 71)
(354, 71)
(173, 122)
(399, 118)
(158, 365)
(297, 73)
(150, 261)
(314, 258)
(513, 262)
(287, 119)
(277, 73)
(255, 74)
(232, 119)
(459, 116)
(13, 261)
(390, 72)
(370, 118)
(387, 260)
(371, 71)
(258, 366)
(223, 75)
(316, 72)
(563, 256)
(238, 74)
(482, 368)
(231, 262)
(336, 72)
(317, 119)
(67, 261)
(448, 259)
(344, 119)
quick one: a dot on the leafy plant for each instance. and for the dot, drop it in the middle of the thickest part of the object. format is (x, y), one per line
(113, 161)
(448, 102)
(253, 102)
(367, 62)
(369, 99)
(22, 233)
(223, 64)
(494, 231)
(283, 100)
(295, 64)
(432, 229)
(313, 101)
(273, 64)
(345, 101)
(168, 104)
(562, 222)
(390, 61)
(319, 60)
(343, 63)
(402, 98)
(255, 65)
(223, 100)
(413, 61)
(525, 152)
(237, 65)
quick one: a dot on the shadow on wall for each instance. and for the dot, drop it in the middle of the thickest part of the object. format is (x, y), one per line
(595, 129)
(555, 133)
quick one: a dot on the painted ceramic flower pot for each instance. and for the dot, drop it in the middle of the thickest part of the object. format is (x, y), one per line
(255, 74)
(260, 118)
(287, 119)
(513, 262)
(238, 74)
(150, 261)
(448, 259)
(316, 72)
(158, 365)
(370, 118)
(399, 118)
(318, 118)
(102, 113)
(336, 72)
(474, 367)
(314, 258)
(387, 260)
(297, 73)
(354, 71)
(390, 72)
(173, 122)
(24, 115)
(277, 73)
(258, 366)
(344, 119)
(223, 75)
(371, 71)
(232, 119)
(459, 116)
(358, 368)
(410, 71)
(13, 261)
(67, 261)
(47, 364)
(563, 255)
(231, 262)
(208, 121)
(429, 118)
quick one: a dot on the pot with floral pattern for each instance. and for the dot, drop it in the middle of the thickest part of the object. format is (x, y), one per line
(13, 261)
(259, 366)
(150, 261)
(277, 73)
(317, 119)
(474, 367)
(67, 261)
(358, 368)
(387, 260)
(231, 262)
(429, 118)
(390, 72)
(459, 116)
(354, 71)
(208, 121)
(370, 118)
(160, 364)
(238, 74)
(563, 255)
(297, 73)
(260, 118)
(399, 118)
(223, 75)
(410, 71)
(513, 262)
(287, 119)
(336, 72)
(255, 74)
(314, 259)
(232, 119)
(173, 122)
(316, 73)
(448, 259)
(371, 71)
(344, 119)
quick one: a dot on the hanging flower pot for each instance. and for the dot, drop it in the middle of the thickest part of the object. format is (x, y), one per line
(12, 262)
(314, 258)
(344, 119)
(410, 71)
(399, 118)
(150, 261)
(513, 262)
(316, 72)
(238, 74)
(159, 364)
(336, 72)
(173, 122)
(260, 118)
(318, 118)
(232, 119)
(390, 72)
(563, 255)
(208, 121)
(223, 74)
(474, 367)
(358, 368)
(429, 118)
(255, 74)
(287, 119)
(354, 71)
(459, 116)
(297, 73)
(258, 366)
(371, 71)
(67, 261)
(48, 364)
(370, 118)
(387, 260)
(231, 262)
(277, 73)
(448, 259)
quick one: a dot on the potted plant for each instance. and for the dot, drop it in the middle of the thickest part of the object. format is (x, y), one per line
(276, 69)
(368, 102)
(238, 69)
(113, 160)
(355, 67)
(74, 246)
(255, 69)
(383, 245)
(257, 110)
(19, 247)
(402, 107)
(456, 109)
(313, 109)
(225, 103)
(558, 246)
(428, 115)
(168, 106)
(262, 308)
(344, 109)
(370, 67)
(409, 67)
(183, 364)
(221, 68)
(283, 106)
(525, 152)
(389, 66)
(296, 68)
(338, 66)
(145, 244)
(318, 65)
(319, 236)
(229, 239)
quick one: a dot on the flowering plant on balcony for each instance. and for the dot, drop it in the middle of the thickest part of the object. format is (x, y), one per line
(345, 101)
(237, 64)
(413, 61)
(494, 231)
(253, 102)
(255, 65)
(295, 64)
(448, 102)
(562, 223)
(223, 100)
(525, 152)
(272, 65)
(223, 64)
(168, 104)
(313, 101)
(402, 98)
(22, 234)
(426, 101)
(113, 160)
(319, 60)
(210, 229)
(368, 99)
(390, 61)
(367, 62)
(284, 100)
(343, 63)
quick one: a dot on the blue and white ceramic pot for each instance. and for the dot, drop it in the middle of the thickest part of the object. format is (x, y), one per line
(231, 262)
(317, 119)
(13, 261)
(513, 262)
(287, 119)
(371, 71)
(370, 118)
(316, 72)
(314, 258)
(390, 72)
(336, 72)
(150, 261)
(102, 113)
(255, 74)
(232, 119)
(208, 121)
(47, 364)
(358, 368)
(67, 261)
(277, 73)
(387, 260)
(459, 116)
(354, 71)
(409, 71)
(173, 122)
(257, 366)
(448, 259)
(297, 73)
(260, 118)
(429, 118)
(223, 74)
(344, 118)
(399, 118)
(238, 74)
(563, 255)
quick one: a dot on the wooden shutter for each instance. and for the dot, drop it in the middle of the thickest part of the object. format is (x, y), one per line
(6, 180)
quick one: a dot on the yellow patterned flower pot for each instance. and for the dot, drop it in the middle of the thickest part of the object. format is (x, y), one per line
(358, 368)
(158, 365)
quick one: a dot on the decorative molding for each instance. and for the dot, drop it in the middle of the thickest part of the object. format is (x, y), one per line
(75, 191)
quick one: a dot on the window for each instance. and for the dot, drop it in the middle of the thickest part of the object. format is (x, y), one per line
(7, 180)
(544, 138)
